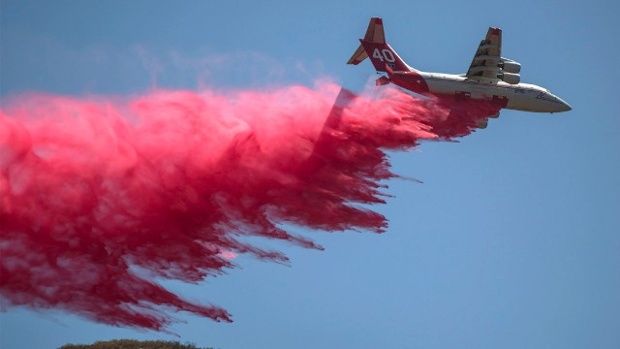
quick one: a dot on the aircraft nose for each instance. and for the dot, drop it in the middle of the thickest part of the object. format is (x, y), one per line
(567, 106)
(560, 105)
(564, 106)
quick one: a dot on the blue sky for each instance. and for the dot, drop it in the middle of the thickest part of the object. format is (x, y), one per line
(512, 240)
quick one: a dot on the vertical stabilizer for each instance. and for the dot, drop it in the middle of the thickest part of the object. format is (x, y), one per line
(373, 45)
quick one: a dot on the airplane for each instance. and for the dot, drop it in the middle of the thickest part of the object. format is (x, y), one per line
(490, 76)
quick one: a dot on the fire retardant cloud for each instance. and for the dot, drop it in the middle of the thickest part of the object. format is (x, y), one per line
(100, 196)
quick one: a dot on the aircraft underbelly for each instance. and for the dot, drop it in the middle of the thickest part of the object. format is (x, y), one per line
(518, 103)
(460, 88)
(528, 102)
(516, 99)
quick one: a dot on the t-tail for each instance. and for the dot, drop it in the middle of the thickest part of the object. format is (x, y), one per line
(374, 46)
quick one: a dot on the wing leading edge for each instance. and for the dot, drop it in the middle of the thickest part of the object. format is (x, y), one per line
(488, 64)
(485, 65)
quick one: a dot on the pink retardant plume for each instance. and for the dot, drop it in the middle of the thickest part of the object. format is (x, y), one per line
(99, 197)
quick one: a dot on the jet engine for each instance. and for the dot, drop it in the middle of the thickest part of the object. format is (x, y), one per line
(509, 78)
(509, 66)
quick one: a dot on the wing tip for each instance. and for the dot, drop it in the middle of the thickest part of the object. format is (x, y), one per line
(495, 30)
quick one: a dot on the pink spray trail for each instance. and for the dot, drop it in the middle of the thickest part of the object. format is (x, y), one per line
(100, 196)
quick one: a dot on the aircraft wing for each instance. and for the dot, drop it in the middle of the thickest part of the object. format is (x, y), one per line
(484, 66)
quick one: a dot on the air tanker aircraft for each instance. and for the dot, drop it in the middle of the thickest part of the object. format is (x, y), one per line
(490, 77)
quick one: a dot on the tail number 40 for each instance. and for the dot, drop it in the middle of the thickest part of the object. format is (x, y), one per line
(384, 54)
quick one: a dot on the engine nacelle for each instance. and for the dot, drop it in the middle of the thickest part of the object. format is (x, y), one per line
(509, 66)
(510, 78)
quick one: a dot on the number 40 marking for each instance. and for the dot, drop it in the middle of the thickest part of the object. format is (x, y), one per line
(384, 54)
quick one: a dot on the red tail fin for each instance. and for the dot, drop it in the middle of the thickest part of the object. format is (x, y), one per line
(380, 53)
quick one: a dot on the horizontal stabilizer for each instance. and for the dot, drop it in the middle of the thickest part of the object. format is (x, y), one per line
(359, 55)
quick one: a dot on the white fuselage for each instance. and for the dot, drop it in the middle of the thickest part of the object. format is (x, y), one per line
(521, 96)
